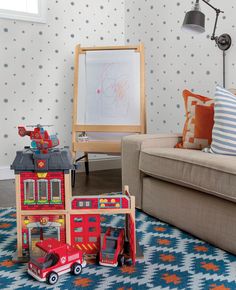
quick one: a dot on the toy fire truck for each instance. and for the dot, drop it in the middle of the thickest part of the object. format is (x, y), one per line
(112, 248)
(53, 259)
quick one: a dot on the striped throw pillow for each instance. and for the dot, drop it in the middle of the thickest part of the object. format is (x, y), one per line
(224, 129)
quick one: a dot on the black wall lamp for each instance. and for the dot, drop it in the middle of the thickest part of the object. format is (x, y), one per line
(194, 21)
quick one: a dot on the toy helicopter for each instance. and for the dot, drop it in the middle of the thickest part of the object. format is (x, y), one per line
(41, 140)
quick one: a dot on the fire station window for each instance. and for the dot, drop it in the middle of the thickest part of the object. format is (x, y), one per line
(92, 219)
(86, 203)
(55, 190)
(92, 229)
(42, 191)
(78, 230)
(79, 239)
(92, 239)
(78, 219)
(29, 191)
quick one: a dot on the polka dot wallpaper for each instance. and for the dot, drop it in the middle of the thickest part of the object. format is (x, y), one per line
(176, 59)
(37, 65)
(37, 61)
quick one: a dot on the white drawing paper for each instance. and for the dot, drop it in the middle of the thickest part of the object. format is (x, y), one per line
(82, 95)
(112, 89)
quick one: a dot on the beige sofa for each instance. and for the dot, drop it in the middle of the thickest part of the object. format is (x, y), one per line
(193, 190)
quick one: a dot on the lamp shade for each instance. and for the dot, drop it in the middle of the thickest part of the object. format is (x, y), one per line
(194, 21)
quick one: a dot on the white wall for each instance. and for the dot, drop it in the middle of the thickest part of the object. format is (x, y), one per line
(37, 62)
(177, 60)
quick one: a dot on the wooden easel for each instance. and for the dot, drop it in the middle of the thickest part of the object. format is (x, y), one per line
(104, 146)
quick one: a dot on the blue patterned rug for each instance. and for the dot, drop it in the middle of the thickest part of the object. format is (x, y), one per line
(172, 260)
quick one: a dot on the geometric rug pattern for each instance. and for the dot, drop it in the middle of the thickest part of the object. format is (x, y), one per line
(172, 260)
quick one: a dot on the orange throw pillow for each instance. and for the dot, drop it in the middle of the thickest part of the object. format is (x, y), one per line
(199, 122)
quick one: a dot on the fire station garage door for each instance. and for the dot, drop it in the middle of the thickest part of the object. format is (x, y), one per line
(85, 232)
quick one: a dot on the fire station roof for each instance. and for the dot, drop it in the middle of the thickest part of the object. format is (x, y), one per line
(56, 160)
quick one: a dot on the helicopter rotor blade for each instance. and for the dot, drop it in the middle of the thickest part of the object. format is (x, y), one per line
(38, 125)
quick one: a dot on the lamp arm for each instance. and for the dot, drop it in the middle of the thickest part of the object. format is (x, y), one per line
(218, 11)
(213, 36)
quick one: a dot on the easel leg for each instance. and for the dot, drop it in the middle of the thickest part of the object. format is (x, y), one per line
(73, 178)
(86, 164)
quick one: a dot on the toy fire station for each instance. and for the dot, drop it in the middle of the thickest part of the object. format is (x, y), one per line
(45, 205)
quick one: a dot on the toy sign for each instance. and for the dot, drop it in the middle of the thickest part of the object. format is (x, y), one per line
(43, 221)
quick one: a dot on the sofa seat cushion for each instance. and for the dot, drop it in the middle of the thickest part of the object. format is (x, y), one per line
(210, 173)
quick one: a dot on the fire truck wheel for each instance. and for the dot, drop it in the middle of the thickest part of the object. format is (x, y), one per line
(52, 278)
(128, 262)
(76, 269)
(121, 260)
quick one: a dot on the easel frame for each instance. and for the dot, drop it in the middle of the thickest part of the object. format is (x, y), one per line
(105, 146)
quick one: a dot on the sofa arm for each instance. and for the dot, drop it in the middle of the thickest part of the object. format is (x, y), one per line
(131, 147)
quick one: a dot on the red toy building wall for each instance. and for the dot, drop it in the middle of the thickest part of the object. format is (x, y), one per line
(125, 202)
(34, 176)
(94, 203)
(98, 202)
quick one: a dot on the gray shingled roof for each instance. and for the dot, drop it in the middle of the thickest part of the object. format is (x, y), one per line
(57, 160)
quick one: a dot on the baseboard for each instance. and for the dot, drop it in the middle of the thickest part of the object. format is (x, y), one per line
(94, 165)
(6, 173)
(101, 164)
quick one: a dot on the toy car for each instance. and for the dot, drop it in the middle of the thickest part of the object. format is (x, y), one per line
(54, 259)
(112, 247)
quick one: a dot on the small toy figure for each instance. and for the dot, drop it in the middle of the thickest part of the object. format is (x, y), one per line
(54, 259)
(41, 140)
(83, 137)
(112, 248)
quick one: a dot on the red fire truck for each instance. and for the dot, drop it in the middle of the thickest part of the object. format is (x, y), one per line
(112, 247)
(54, 258)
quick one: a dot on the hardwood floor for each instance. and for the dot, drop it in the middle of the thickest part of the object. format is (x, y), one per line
(97, 182)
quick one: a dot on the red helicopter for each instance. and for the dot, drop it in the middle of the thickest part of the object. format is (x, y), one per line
(41, 140)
